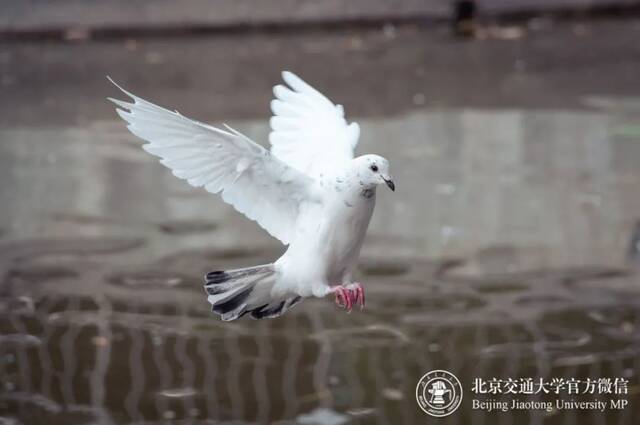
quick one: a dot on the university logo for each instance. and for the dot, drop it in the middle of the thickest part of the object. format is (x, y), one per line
(439, 393)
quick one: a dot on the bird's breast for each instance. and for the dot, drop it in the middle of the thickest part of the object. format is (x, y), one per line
(343, 233)
(329, 238)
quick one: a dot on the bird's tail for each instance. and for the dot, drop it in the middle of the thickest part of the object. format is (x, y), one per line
(234, 293)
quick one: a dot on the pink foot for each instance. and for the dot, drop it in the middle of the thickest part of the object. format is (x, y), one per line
(348, 296)
(358, 293)
(343, 297)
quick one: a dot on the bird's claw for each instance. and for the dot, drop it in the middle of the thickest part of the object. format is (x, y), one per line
(343, 298)
(350, 295)
(359, 295)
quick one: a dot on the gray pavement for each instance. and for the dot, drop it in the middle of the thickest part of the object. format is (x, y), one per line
(39, 16)
(374, 72)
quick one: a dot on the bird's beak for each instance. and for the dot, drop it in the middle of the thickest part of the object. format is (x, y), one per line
(389, 183)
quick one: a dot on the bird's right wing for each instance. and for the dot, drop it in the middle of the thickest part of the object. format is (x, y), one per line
(308, 131)
(251, 179)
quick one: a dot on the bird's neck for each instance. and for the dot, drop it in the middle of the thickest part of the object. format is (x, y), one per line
(349, 184)
(356, 189)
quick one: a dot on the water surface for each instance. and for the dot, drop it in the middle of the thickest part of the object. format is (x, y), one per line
(504, 252)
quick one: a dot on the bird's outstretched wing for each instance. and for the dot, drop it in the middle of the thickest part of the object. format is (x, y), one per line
(309, 132)
(250, 178)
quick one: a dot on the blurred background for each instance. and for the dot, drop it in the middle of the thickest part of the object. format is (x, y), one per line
(510, 249)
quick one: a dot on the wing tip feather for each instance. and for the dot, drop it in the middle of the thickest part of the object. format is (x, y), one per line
(293, 80)
(287, 74)
(132, 96)
(126, 116)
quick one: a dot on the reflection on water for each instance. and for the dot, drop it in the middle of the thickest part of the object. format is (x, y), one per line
(500, 255)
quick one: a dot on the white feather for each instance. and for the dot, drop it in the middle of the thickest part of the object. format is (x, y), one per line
(256, 183)
(309, 132)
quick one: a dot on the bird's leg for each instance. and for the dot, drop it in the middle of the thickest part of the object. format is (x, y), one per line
(343, 296)
(356, 291)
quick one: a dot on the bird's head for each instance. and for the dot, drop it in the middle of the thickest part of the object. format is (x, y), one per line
(373, 170)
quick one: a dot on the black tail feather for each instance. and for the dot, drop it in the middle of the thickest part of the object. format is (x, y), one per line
(221, 276)
(233, 302)
(262, 312)
(266, 313)
(230, 293)
(215, 277)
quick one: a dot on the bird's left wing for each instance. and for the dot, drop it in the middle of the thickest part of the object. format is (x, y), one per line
(250, 178)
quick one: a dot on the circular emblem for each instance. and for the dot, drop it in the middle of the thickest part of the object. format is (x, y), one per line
(439, 393)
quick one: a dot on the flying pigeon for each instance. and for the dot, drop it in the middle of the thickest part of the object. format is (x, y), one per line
(308, 191)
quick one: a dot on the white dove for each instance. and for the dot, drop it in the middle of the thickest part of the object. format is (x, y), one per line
(308, 191)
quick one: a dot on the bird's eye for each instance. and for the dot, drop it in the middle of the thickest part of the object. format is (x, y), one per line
(374, 168)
